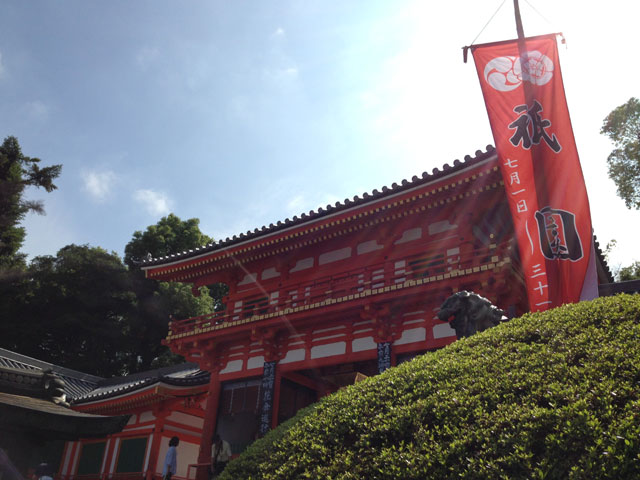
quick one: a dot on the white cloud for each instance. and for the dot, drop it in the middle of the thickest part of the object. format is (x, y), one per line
(35, 110)
(156, 203)
(99, 184)
(278, 33)
(291, 71)
(146, 57)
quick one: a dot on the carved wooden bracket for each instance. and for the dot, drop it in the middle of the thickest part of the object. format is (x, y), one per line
(385, 329)
(272, 340)
(207, 354)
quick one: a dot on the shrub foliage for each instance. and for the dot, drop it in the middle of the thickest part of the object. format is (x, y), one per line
(549, 395)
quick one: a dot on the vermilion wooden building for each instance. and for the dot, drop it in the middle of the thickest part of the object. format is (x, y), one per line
(318, 300)
(315, 303)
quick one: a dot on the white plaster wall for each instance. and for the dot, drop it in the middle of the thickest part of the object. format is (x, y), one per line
(411, 322)
(363, 322)
(294, 356)
(302, 264)
(334, 255)
(412, 335)
(187, 455)
(443, 331)
(249, 278)
(409, 236)
(186, 419)
(147, 416)
(328, 350)
(370, 246)
(270, 273)
(439, 227)
(233, 366)
(255, 362)
(361, 344)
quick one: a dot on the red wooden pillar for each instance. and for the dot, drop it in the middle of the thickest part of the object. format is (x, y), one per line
(161, 415)
(210, 418)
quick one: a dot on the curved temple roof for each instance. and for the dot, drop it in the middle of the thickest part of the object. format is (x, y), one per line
(183, 375)
(76, 383)
(82, 387)
(385, 191)
(31, 402)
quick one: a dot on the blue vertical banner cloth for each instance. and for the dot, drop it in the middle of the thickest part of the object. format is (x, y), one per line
(268, 383)
(384, 356)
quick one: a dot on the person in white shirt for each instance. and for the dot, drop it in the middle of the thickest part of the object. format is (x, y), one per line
(171, 459)
(220, 455)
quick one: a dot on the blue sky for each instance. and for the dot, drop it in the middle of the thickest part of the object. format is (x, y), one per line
(245, 113)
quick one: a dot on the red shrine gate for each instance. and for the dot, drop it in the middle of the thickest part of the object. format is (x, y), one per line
(319, 301)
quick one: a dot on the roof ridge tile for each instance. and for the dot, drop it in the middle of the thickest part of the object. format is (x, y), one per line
(320, 211)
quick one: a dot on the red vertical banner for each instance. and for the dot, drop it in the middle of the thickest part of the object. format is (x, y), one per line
(524, 94)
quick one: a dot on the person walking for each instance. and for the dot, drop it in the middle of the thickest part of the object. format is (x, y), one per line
(171, 459)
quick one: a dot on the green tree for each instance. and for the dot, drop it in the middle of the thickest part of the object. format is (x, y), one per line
(17, 172)
(85, 309)
(170, 235)
(630, 272)
(74, 309)
(157, 301)
(622, 126)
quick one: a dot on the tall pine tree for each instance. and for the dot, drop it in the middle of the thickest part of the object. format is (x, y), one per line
(17, 172)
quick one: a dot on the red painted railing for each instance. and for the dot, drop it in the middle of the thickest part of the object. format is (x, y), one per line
(342, 284)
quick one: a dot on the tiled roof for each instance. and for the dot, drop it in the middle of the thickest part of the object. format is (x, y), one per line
(76, 383)
(42, 417)
(186, 374)
(82, 387)
(603, 260)
(330, 209)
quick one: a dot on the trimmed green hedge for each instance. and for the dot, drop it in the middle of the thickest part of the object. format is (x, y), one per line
(548, 395)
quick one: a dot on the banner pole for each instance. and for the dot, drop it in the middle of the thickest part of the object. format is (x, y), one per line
(519, 29)
(522, 49)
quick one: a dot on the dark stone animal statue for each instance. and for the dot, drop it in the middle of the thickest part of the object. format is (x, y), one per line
(471, 313)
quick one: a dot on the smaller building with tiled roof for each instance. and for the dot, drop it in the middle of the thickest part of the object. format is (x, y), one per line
(83, 420)
(35, 414)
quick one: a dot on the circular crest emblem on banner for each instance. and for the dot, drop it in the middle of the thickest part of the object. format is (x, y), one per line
(507, 73)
